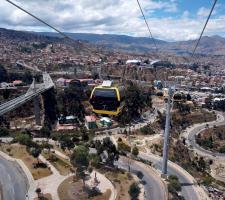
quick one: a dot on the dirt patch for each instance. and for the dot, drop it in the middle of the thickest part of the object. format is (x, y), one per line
(70, 190)
(104, 196)
(122, 181)
(62, 165)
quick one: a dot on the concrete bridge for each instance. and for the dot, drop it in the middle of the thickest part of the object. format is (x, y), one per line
(32, 93)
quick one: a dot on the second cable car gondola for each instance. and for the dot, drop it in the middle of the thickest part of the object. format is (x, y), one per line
(107, 99)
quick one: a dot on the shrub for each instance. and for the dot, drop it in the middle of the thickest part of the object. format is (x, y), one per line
(222, 149)
(174, 183)
(122, 147)
(134, 191)
(24, 139)
(140, 175)
(4, 132)
(92, 192)
(207, 180)
(135, 151)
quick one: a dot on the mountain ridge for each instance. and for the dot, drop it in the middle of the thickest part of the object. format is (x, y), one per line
(209, 45)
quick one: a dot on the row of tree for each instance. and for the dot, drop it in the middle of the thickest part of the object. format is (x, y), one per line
(135, 101)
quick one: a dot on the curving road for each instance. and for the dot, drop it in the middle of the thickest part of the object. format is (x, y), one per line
(190, 190)
(154, 187)
(13, 181)
(195, 130)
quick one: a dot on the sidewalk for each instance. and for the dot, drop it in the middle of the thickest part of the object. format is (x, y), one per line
(104, 182)
(50, 183)
(103, 185)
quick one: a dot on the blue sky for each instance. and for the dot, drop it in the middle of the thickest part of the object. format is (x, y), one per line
(169, 20)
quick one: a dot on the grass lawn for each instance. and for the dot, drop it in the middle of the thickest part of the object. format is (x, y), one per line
(19, 151)
(62, 165)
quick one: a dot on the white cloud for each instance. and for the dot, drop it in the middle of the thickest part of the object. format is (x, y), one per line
(203, 12)
(185, 14)
(104, 16)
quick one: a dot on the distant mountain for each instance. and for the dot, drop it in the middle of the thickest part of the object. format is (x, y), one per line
(209, 45)
(214, 45)
(24, 36)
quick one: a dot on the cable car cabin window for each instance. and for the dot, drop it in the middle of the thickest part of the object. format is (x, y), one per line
(105, 99)
(105, 93)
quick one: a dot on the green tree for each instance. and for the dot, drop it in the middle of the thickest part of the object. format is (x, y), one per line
(208, 102)
(69, 103)
(123, 147)
(45, 131)
(4, 132)
(201, 164)
(188, 97)
(6, 94)
(108, 146)
(134, 191)
(135, 101)
(80, 160)
(50, 106)
(184, 108)
(222, 149)
(3, 74)
(27, 77)
(174, 183)
(35, 152)
(135, 151)
(24, 139)
(66, 142)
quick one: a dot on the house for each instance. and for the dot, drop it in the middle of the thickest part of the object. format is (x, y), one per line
(17, 82)
(90, 122)
(136, 62)
(68, 119)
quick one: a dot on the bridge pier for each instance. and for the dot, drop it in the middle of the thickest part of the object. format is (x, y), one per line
(37, 111)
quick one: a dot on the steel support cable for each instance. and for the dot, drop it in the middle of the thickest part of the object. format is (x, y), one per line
(40, 20)
(198, 41)
(149, 30)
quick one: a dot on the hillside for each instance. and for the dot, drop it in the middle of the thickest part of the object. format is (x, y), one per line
(209, 45)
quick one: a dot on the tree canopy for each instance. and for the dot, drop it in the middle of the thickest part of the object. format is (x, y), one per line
(3, 74)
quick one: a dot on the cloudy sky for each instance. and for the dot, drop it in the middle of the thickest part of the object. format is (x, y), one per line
(170, 20)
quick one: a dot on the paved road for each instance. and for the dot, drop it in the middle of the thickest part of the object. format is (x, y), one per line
(192, 132)
(190, 191)
(154, 187)
(13, 181)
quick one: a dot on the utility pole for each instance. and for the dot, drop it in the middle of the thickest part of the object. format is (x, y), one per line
(166, 133)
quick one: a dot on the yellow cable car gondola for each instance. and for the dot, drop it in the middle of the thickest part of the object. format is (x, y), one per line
(107, 99)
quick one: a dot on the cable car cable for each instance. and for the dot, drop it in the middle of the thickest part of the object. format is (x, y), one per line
(149, 30)
(214, 4)
(42, 21)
